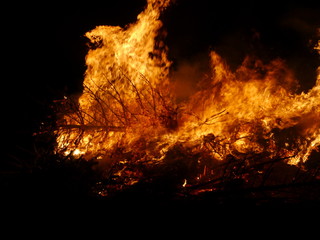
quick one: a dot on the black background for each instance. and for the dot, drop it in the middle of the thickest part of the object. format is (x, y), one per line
(43, 46)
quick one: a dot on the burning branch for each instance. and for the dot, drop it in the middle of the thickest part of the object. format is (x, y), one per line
(87, 127)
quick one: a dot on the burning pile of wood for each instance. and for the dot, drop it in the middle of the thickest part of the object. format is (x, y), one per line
(191, 173)
(188, 174)
(243, 133)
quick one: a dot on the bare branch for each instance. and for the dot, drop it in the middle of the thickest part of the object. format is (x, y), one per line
(91, 127)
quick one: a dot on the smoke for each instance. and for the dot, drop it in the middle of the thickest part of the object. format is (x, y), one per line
(187, 74)
(267, 31)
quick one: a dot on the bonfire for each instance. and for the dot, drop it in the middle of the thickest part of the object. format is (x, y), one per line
(245, 129)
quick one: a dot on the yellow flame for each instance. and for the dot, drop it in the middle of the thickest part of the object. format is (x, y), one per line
(127, 101)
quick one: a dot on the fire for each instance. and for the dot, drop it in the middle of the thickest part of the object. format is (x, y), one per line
(124, 86)
(128, 103)
(259, 110)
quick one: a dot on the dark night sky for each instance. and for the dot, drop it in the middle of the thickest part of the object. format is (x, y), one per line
(44, 48)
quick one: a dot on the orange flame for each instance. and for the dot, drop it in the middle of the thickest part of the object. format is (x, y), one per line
(127, 99)
(126, 69)
(259, 109)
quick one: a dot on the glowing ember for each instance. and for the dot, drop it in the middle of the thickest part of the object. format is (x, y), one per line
(128, 103)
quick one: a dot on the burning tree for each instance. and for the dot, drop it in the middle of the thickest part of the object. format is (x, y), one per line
(237, 126)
